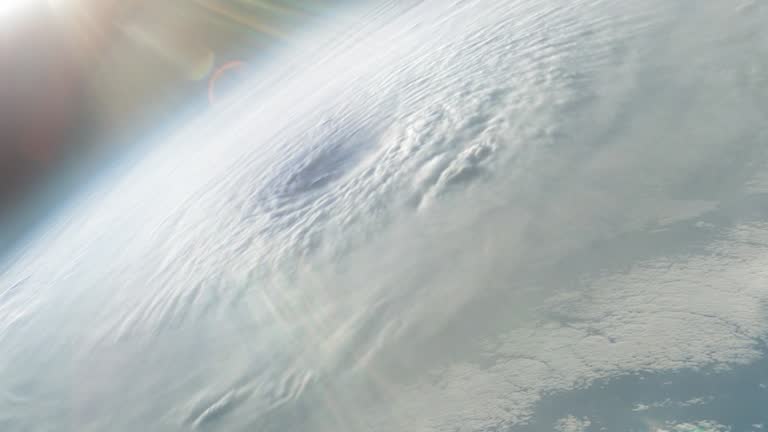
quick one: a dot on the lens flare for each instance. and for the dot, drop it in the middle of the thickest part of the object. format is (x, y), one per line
(224, 76)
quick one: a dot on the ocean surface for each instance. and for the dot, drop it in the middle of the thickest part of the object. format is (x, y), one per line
(471, 215)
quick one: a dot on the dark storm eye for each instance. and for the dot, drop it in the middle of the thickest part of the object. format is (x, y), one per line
(337, 152)
(321, 169)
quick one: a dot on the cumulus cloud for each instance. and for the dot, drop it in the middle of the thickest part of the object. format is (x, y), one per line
(667, 403)
(699, 426)
(572, 424)
(665, 314)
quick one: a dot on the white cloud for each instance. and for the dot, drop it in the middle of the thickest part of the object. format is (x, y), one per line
(667, 314)
(699, 426)
(666, 403)
(572, 424)
(464, 314)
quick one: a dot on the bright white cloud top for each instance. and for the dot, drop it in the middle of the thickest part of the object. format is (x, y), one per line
(427, 217)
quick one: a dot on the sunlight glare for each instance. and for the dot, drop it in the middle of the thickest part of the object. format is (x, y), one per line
(11, 7)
